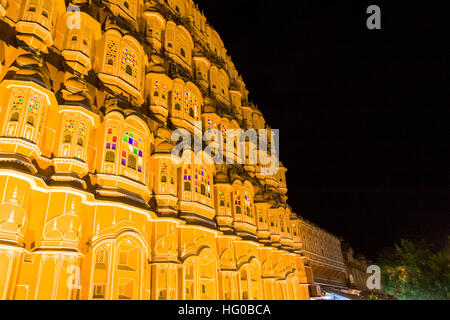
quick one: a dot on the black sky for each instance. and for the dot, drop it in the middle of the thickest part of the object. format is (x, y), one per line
(364, 115)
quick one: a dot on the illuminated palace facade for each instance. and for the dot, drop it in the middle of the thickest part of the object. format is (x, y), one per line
(92, 203)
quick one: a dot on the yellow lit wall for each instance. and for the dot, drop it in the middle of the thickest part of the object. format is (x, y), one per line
(92, 203)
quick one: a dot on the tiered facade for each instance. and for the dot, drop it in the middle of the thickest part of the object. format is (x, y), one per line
(93, 205)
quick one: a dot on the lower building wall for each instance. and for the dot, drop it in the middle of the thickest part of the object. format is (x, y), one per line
(62, 243)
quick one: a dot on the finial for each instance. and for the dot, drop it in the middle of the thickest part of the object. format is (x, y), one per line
(14, 196)
(11, 217)
(72, 207)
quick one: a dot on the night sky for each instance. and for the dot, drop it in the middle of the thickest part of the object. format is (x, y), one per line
(363, 115)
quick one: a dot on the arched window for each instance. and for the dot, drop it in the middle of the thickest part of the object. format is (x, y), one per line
(111, 52)
(191, 106)
(126, 5)
(132, 161)
(187, 177)
(164, 172)
(80, 142)
(177, 99)
(202, 181)
(132, 151)
(222, 199)
(129, 70)
(14, 117)
(248, 204)
(74, 38)
(183, 53)
(129, 63)
(67, 138)
(30, 121)
(110, 156)
(101, 258)
(203, 189)
(281, 223)
(159, 89)
(237, 201)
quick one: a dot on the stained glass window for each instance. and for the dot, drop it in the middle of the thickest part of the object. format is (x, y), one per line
(282, 223)
(129, 59)
(69, 126)
(133, 145)
(222, 199)
(211, 124)
(260, 215)
(18, 102)
(237, 198)
(177, 99)
(82, 129)
(160, 89)
(191, 106)
(202, 181)
(112, 139)
(164, 172)
(187, 173)
(111, 50)
(33, 106)
(248, 204)
(224, 133)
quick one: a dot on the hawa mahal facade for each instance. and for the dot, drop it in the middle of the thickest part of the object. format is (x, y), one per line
(93, 205)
